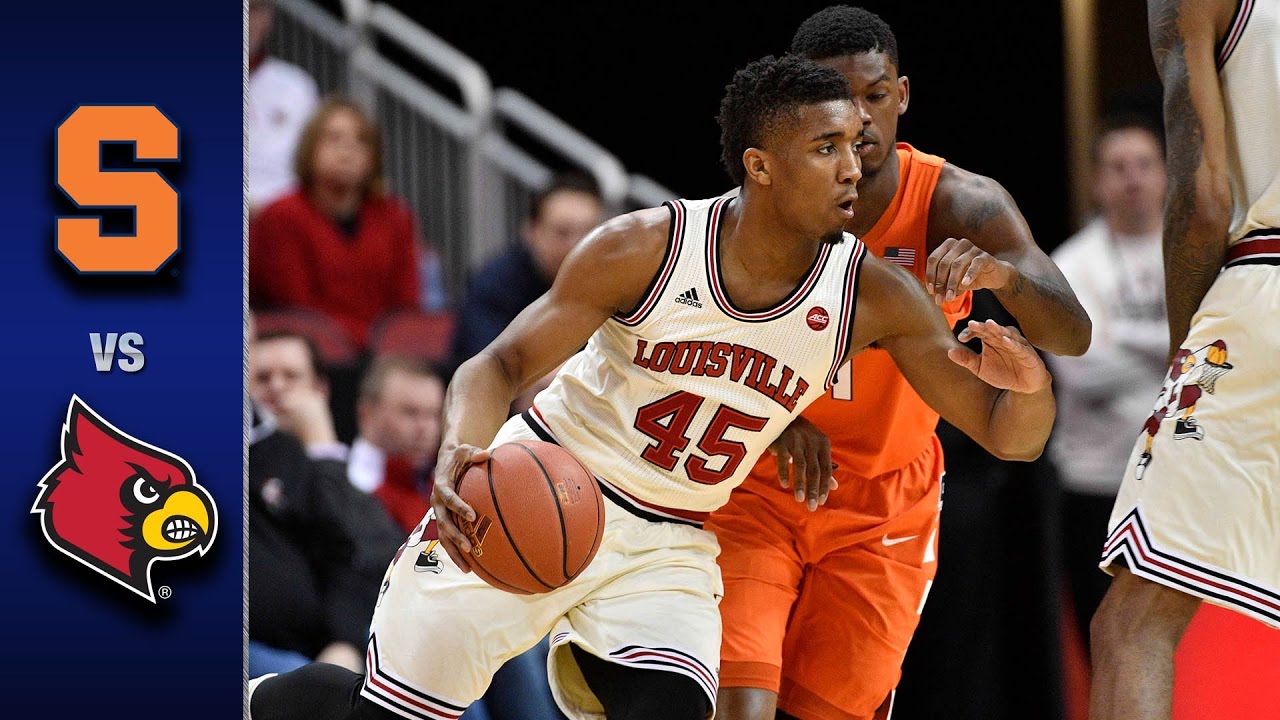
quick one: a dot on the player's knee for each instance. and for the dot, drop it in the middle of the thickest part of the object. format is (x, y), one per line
(1115, 622)
(1137, 613)
(1103, 629)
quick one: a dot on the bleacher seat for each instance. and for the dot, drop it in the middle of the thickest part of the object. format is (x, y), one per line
(332, 341)
(413, 333)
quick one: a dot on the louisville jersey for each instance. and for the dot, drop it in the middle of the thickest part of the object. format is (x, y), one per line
(875, 420)
(671, 403)
(1249, 68)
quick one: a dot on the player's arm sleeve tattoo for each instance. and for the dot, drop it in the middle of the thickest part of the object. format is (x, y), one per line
(1198, 200)
(1038, 295)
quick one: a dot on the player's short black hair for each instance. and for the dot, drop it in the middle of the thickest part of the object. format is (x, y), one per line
(843, 30)
(764, 93)
(1130, 120)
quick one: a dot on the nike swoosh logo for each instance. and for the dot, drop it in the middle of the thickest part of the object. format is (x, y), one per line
(889, 542)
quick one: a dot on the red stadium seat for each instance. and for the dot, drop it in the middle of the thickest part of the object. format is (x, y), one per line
(413, 333)
(333, 343)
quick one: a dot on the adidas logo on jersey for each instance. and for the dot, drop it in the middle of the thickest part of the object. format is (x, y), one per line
(689, 297)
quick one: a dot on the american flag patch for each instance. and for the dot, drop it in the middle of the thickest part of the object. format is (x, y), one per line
(906, 257)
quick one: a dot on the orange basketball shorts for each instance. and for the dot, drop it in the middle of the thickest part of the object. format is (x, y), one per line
(820, 607)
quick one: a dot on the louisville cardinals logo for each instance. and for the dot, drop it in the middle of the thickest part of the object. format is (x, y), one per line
(1192, 373)
(118, 504)
(428, 560)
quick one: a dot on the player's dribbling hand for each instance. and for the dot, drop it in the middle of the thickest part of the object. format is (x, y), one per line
(446, 502)
(958, 266)
(1007, 360)
(803, 454)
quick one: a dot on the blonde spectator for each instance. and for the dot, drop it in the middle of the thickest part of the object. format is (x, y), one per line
(339, 244)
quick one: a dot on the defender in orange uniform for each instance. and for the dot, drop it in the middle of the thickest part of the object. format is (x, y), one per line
(819, 607)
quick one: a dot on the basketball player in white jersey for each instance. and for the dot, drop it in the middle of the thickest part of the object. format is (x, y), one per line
(709, 325)
(1198, 515)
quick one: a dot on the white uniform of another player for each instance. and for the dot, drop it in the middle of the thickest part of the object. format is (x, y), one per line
(1199, 509)
(669, 406)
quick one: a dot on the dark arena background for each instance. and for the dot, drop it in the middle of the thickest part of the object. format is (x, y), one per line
(1008, 90)
(645, 79)
(225, 296)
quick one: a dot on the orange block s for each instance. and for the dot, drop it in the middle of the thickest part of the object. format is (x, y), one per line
(80, 175)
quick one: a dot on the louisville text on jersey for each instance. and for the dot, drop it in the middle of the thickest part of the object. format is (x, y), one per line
(755, 369)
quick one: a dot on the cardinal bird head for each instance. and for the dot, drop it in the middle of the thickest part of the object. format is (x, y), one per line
(1217, 354)
(118, 504)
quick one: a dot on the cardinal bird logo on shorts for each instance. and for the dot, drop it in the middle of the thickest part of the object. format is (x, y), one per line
(1191, 374)
(426, 561)
(118, 504)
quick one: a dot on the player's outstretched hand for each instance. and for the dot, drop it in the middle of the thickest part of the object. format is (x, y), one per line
(446, 502)
(958, 266)
(803, 453)
(1007, 360)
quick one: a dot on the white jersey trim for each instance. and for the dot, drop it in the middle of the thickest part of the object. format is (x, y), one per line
(675, 238)
(1244, 9)
(721, 297)
(848, 308)
(1131, 541)
(395, 694)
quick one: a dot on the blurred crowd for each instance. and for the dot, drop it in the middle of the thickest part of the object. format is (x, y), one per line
(354, 338)
(351, 343)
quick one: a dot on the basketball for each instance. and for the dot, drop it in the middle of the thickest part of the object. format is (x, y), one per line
(539, 517)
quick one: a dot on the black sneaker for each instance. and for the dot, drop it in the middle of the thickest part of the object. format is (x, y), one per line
(1187, 429)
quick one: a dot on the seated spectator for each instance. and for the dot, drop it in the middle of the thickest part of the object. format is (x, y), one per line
(286, 380)
(281, 98)
(339, 244)
(398, 413)
(318, 552)
(559, 217)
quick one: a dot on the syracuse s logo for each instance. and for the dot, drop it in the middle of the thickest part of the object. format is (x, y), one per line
(118, 504)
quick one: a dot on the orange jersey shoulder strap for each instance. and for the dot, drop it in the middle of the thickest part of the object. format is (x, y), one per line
(901, 234)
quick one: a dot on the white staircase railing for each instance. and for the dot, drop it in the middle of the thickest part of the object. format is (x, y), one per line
(467, 180)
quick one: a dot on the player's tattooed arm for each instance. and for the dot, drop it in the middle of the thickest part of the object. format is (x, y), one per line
(979, 239)
(1183, 36)
(1002, 398)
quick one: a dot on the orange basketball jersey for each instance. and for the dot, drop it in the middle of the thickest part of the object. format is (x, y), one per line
(875, 420)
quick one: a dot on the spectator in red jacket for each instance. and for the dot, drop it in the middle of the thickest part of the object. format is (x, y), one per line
(339, 244)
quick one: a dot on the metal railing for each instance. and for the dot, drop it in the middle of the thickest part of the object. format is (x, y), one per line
(306, 35)
(432, 161)
(467, 181)
(514, 107)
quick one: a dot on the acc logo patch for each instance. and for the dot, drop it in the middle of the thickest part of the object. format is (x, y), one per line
(817, 318)
(118, 504)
